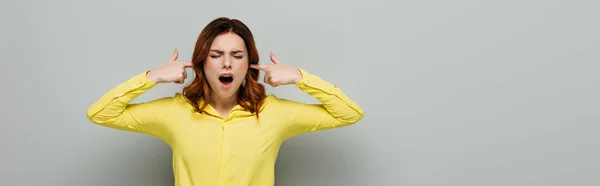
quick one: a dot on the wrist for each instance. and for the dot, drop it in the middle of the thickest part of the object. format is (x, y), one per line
(299, 76)
(150, 76)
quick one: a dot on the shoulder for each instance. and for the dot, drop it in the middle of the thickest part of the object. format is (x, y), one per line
(177, 100)
(178, 96)
(180, 99)
(274, 101)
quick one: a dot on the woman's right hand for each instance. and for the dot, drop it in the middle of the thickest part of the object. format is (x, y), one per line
(172, 71)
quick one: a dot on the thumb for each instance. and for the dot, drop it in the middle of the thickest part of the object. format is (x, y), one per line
(275, 60)
(175, 54)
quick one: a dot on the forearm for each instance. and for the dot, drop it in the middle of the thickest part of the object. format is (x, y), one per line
(335, 102)
(113, 103)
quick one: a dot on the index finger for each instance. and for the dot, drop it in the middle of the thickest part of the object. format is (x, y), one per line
(187, 64)
(259, 67)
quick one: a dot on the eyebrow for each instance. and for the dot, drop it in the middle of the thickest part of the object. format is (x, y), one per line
(221, 52)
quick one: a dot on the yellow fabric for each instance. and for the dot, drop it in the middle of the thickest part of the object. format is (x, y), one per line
(209, 150)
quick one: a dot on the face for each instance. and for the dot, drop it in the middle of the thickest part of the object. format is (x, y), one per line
(226, 65)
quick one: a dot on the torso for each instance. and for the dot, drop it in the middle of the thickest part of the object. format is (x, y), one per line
(237, 147)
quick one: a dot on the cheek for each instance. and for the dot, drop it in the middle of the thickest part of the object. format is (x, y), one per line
(210, 71)
(242, 68)
(211, 67)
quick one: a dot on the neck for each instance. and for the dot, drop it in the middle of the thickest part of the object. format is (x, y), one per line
(223, 105)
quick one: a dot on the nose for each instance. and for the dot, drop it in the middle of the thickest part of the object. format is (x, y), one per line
(227, 63)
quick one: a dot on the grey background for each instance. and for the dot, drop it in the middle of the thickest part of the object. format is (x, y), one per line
(464, 92)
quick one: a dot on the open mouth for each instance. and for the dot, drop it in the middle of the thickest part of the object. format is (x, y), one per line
(226, 79)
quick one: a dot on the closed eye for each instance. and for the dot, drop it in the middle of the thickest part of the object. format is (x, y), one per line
(238, 54)
(217, 56)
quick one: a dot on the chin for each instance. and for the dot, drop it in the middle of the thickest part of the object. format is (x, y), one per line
(227, 92)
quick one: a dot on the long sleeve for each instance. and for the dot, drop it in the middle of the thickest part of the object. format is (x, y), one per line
(114, 108)
(336, 109)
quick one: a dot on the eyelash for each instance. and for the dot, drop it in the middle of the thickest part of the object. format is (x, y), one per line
(237, 57)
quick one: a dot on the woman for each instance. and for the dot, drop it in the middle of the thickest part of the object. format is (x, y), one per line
(223, 129)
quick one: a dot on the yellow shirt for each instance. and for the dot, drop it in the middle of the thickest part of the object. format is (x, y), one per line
(209, 150)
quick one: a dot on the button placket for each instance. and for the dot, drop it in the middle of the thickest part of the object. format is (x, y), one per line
(225, 149)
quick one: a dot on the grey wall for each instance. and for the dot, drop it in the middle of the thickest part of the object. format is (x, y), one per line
(469, 93)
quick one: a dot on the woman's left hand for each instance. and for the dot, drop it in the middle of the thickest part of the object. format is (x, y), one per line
(278, 73)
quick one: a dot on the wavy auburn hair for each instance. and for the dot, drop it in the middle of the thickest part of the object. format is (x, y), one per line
(251, 93)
